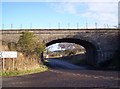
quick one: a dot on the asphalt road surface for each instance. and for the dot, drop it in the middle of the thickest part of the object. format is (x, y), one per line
(66, 77)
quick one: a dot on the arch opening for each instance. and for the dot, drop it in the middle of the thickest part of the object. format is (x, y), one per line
(90, 49)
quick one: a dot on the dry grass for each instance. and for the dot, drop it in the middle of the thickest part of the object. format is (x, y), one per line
(22, 63)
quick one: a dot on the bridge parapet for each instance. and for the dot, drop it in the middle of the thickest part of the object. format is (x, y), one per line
(60, 31)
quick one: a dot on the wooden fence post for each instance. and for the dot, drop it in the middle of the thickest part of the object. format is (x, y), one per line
(13, 64)
(3, 64)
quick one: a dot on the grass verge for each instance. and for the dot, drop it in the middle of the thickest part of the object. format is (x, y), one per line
(15, 73)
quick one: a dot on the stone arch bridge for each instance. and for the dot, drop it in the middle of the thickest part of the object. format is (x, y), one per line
(100, 44)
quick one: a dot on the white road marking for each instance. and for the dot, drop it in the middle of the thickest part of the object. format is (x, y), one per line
(84, 75)
(96, 77)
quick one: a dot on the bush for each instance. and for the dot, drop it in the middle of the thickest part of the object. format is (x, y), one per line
(12, 46)
(70, 52)
(26, 43)
(40, 47)
(29, 44)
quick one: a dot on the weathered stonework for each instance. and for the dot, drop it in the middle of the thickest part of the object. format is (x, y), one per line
(100, 44)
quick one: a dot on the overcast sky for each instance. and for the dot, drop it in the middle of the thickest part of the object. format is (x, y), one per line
(48, 14)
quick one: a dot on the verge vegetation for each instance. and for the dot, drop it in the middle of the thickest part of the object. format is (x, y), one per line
(28, 58)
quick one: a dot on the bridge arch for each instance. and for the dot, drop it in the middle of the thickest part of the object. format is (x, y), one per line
(91, 49)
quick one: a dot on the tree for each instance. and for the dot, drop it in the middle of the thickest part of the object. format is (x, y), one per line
(66, 45)
(40, 47)
(70, 46)
(29, 44)
(70, 52)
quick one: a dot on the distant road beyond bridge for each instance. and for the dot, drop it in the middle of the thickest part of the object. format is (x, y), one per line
(100, 44)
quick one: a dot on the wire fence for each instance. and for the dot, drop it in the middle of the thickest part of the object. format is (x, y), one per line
(58, 26)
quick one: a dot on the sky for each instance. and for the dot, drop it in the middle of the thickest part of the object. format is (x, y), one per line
(63, 14)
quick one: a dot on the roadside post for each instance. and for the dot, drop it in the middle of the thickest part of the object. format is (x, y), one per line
(8, 54)
(3, 65)
(13, 62)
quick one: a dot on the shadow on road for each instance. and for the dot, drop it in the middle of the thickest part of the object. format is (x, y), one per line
(60, 64)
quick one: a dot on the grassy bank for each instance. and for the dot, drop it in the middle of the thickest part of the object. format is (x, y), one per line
(22, 64)
(41, 68)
